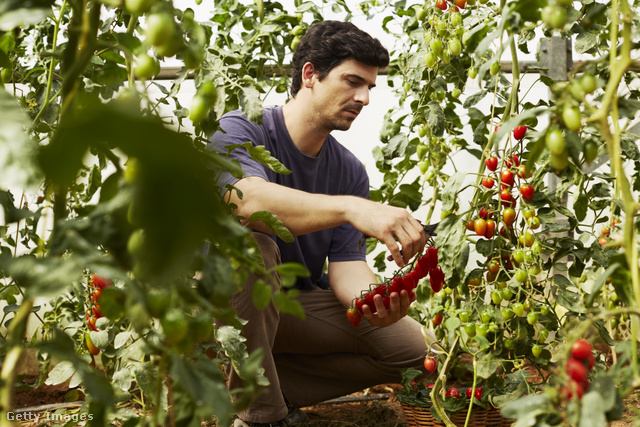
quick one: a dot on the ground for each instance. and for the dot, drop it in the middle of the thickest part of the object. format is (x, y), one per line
(385, 412)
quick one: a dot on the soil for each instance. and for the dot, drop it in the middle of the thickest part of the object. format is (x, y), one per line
(385, 411)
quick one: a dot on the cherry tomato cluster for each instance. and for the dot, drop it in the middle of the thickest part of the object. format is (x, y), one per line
(94, 312)
(443, 35)
(424, 265)
(577, 369)
(606, 230)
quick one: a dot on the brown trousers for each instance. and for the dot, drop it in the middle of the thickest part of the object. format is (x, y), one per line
(323, 356)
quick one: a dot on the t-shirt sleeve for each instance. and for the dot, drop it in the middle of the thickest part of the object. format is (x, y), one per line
(236, 129)
(347, 243)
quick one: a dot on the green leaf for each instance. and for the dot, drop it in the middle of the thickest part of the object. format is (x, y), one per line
(592, 410)
(17, 163)
(474, 99)
(261, 295)
(287, 304)
(599, 283)
(396, 147)
(274, 224)
(293, 269)
(22, 17)
(585, 41)
(435, 118)
(487, 365)
(567, 297)
(60, 373)
(262, 155)
(123, 379)
(451, 189)
(580, 207)
(251, 104)
(529, 407)
(452, 324)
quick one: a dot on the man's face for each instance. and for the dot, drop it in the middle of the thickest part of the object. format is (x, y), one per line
(342, 94)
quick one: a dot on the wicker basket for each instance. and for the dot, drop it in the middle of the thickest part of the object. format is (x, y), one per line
(418, 416)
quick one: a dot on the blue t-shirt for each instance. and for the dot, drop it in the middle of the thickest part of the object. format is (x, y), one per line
(334, 171)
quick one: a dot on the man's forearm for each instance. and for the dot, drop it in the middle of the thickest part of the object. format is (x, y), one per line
(299, 211)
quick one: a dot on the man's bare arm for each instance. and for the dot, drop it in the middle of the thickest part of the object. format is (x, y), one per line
(303, 213)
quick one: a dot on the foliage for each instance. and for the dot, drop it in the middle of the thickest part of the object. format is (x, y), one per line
(114, 179)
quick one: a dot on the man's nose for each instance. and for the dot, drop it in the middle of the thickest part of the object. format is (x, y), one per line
(362, 96)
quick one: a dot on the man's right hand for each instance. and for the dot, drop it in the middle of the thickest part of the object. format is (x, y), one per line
(391, 225)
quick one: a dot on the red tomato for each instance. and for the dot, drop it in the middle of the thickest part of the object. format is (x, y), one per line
(512, 161)
(484, 213)
(395, 285)
(507, 177)
(354, 316)
(410, 281)
(527, 191)
(491, 228)
(506, 196)
(576, 370)
(436, 279)
(101, 282)
(461, 3)
(437, 319)
(581, 349)
(480, 226)
(92, 323)
(431, 257)
(441, 4)
(488, 182)
(453, 392)
(478, 393)
(492, 163)
(523, 172)
(519, 132)
(430, 364)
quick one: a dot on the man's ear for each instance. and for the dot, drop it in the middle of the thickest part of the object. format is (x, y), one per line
(308, 75)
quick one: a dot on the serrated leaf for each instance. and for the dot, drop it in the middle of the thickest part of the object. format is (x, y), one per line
(274, 224)
(566, 297)
(396, 146)
(251, 104)
(435, 118)
(585, 41)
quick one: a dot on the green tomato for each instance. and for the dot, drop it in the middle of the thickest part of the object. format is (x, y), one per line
(482, 329)
(5, 75)
(507, 313)
(455, 47)
(175, 325)
(588, 83)
(446, 56)
(543, 334)
(172, 47)
(486, 316)
(138, 7)
(509, 343)
(161, 28)
(559, 161)
(555, 142)
(199, 109)
(456, 19)
(521, 275)
(544, 310)
(464, 315)
(532, 318)
(518, 309)
(455, 93)
(496, 297)
(158, 301)
(201, 327)
(146, 66)
(554, 16)
(590, 151)
(470, 329)
(518, 256)
(495, 68)
(422, 151)
(424, 166)
(571, 117)
(536, 349)
(536, 248)
(506, 294)
(472, 72)
(494, 328)
(430, 59)
(436, 46)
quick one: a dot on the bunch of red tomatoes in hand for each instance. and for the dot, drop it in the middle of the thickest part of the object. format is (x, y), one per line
(423, 266)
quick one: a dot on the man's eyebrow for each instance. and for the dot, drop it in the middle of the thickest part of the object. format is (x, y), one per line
(360, 79)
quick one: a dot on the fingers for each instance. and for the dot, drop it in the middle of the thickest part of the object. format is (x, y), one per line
(398, 308)
(412, 238)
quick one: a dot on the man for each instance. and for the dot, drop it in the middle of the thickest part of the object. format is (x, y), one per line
(324, 202)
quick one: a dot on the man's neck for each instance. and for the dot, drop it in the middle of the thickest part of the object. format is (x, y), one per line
(307, 137)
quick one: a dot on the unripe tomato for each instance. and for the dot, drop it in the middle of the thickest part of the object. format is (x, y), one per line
(588, 83)
(559, 161)
(201, 327)
(138, 7)
(158, 301)
(555, 142)
(5, 75)
(473, 72)
(90, 345)
(495, 68)
(590, 151)
(436, 46)
(543, 334)
(146, 67)
(536, 350)
(518, 309)
(532, 318)
(464, 315)
(518, 256)
(529, 213)
(526, 239)
(470, 329)
(571, 117)
(456, 19)
(496, 297)
(455, 47)
(486, 316)
(199, 109)
(455, 93)
(508, 216)
(175, 325)
(493, 266)
(482, 329)
(160, 28)
(534, 223)
(430, 59)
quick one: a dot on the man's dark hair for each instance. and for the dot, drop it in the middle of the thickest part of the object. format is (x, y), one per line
(329, 43)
